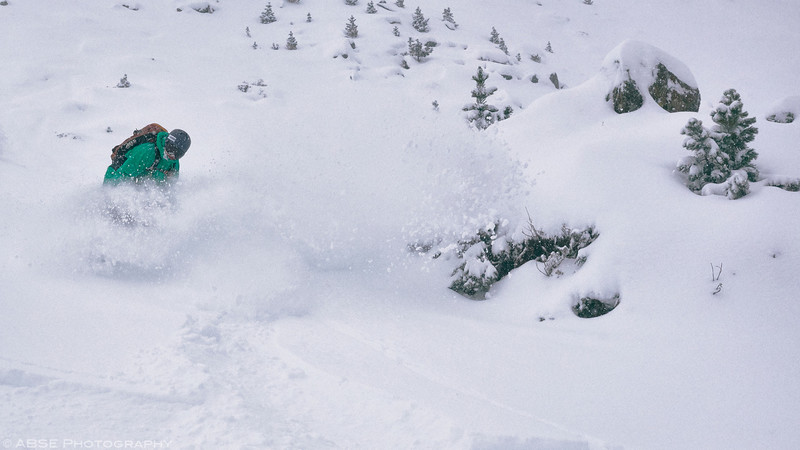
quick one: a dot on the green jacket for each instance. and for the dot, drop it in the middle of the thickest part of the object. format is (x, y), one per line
(139, 165)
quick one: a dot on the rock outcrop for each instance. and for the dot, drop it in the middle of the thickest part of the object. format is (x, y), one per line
(637, 71)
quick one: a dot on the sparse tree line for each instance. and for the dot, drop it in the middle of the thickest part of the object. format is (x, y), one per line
(481, 113)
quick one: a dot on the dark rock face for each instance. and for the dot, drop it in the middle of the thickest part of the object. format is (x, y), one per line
(626, 97)
(636, 70)
(672, 94)
(589, 307)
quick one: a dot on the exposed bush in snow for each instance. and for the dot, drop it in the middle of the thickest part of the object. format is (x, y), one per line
(791, 184)
(203, 8)
(590, 306)
(493, 252)
(782, 117)
(785, 111)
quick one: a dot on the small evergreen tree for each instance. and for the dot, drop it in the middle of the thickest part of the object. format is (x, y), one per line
(308, 17)
(351, 2)
(706, 164)
(494, 37)
(351, 29)
(549, 48)
(418, 50)
(481, 114)
(123, 82)
(447, 16)
(291, 42)
(396, 31)
(419, 22)
(400, 3)
(371, 8)
(268, 16)
(733, 130)
(503, 46)
(721, 161)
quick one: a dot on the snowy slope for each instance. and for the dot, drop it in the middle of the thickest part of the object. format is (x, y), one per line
(270, 300)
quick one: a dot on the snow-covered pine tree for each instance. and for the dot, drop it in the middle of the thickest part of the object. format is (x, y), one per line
(419, 22)
(400, 3)
(291, 42)
(494, 37)
(351, 29)
(123, 82)
(418, 50)
(706, 164)
(481, 114)
(732, 131)
(371, 8)
(268, 16)
(502, 46)
(308, 17)
(351, 2)
(396, 31)
(447, 16)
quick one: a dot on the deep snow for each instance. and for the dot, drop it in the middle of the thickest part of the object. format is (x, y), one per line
(270, 300)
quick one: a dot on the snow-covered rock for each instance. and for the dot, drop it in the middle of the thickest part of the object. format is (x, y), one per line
(785, 110)
(635, 69)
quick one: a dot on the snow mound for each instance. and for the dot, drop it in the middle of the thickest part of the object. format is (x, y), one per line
(785, 110)
(633, 65)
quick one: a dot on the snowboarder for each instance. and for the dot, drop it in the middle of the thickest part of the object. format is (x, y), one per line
(154, 158)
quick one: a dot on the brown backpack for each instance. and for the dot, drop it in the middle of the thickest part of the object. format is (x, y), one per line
(144, 135)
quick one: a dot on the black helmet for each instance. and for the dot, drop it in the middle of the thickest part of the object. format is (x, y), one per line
(177, 143)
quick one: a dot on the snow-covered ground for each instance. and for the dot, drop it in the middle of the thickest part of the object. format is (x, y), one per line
(271, 300)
